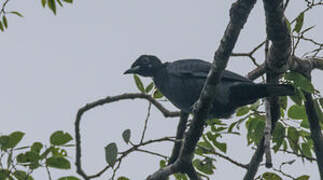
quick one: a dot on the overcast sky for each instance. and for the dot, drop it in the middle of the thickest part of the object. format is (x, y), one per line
(52, 65)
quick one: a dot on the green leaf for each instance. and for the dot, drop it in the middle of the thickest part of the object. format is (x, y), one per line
(126, 135)
(52, 5)
(255, 105)
(111, 152)
(14, 139)
(221, 146)
(16, 13)
(123, 178)
(29, 158)
(180, 176)
(139, 83)
(5, 21)
(299, 22)
(255, 126)
(283, 102)
(306, 149)
(157, 94)
(60, 3)
(305, 124)
(242, 111)
(3, 142)
(4, 174)
(278, 136)
(162, 163)
(321, 101)
(292, 137)
(215, 121)
(232, 126)
(304, 177)
(298, 98)
(213, 137)
(271, 176)
(58, 162)
(297, 112)
(204, 166)
(149, 87)
(43, 2)
(300, 81)
(288, 25)
(318, 110)
(59, 138)
(36, 147)
(22, 175)
(68, 1)
(1, 26)
(69, 178)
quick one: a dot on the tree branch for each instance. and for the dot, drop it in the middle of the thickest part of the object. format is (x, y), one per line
(181, 127)
(275, 63)
(239, 13)
(301, 65)
(315, 128)
(104, 101)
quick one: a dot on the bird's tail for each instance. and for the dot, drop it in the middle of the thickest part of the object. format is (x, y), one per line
(249, 92)
(277, 89)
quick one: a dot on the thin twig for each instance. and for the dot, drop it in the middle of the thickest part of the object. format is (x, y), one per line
(3, 11)
(48, 173)
(146, 122)
(132, 149)
(153, 153)
(245, 166)
(267, 134)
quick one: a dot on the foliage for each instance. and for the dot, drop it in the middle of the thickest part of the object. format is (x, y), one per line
(51, 4)
(20, 162)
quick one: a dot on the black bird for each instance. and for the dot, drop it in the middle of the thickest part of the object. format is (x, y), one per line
(182, 81)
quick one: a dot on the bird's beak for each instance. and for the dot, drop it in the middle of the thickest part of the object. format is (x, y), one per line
(132, 70)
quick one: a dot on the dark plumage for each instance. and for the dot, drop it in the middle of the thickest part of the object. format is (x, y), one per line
(182, 81)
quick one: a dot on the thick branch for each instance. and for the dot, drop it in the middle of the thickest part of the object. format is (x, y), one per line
(315, 128)
(238, 16)
(276, 63)
(301, 65)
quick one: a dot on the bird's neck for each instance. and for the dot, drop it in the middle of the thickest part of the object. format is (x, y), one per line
(159, 70)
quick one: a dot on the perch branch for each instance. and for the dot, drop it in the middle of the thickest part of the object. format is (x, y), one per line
(104, 101)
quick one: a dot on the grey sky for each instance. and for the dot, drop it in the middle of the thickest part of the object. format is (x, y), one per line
(52, 65)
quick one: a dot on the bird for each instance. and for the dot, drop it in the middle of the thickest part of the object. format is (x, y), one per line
(181, 82)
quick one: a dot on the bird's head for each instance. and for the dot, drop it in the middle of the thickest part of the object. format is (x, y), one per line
(145, 65)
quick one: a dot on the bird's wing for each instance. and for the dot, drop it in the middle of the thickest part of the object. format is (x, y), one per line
(195, 68)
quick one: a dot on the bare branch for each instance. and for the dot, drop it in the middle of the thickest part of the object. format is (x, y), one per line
(181, 127)
(104, 101)
(245, 166)
(152, 153)
(146, 122)
(130, 150)
(298, 155)
(301, 65)
(267, 134)
(251, 53)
